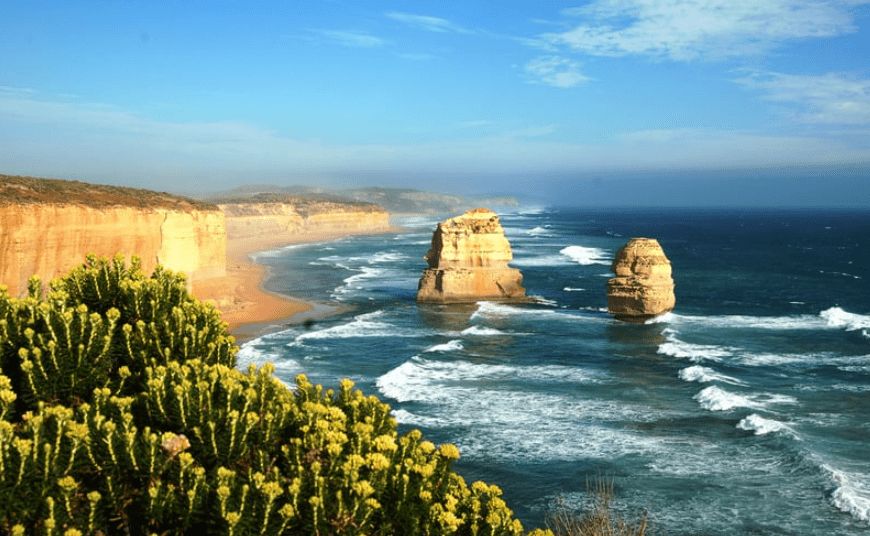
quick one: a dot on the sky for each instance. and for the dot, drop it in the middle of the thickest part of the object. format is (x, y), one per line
(715, 102)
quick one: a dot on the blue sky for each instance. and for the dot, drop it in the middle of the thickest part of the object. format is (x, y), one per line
(680, 99)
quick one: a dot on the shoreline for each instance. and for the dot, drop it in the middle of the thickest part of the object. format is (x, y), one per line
(248, 308)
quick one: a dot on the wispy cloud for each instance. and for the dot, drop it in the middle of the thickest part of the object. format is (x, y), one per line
(685, 30)
(16, 90)
(832, 98)
(78, 139)
(350, 39)
(426, 22)
(555, 71)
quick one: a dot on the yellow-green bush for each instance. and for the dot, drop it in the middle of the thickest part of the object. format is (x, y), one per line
(121, 413)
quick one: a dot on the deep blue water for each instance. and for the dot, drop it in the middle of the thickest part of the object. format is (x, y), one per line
(744, 411)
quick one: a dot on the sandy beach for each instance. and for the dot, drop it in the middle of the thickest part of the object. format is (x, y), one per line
(249, 309)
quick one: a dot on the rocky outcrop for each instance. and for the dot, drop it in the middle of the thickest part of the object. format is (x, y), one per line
(48, 226)
(286, 216)
(643, 287)
(468, 261)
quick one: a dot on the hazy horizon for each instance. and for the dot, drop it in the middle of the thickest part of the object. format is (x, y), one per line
(603, 102)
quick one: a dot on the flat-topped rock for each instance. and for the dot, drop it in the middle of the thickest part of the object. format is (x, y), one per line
(643, 287)
(468, 261)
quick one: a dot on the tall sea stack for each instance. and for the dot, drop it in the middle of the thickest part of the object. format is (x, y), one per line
(643, 287)
(468, 261)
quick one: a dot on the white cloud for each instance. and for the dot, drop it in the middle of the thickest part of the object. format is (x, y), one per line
(686, 30)
(16, 90)
(832, 98)
(556, 71)
(77, 140)
(432, 24)
(351, 39)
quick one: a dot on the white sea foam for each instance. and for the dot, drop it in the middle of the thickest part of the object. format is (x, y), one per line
(539, 231)
(832, 318)
(360, 281)
(545, 301)
(451, 346)
(567, 256)
(492, 422)
(500, 310)
(701, 374)
(482, 331)
(716, 399)
(386, 257)
(838, 318)
(807, 360)
(852, 492)
(412, 419)
(762, 426)
(674, 347)
(422, 379)
(752, 322)
(365, 325)
(586, 255)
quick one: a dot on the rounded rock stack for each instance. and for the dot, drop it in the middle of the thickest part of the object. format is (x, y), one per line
(468, 262)
(643, 287)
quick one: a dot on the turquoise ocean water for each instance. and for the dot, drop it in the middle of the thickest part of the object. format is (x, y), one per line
(744, 411)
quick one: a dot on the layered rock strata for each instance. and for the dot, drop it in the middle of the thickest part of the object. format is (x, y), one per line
(286, 216)
(468, 261)
(643, 287)
(48, 226)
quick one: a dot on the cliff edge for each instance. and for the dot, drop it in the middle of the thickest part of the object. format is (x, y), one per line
(48, 226)
(643, 287)
(468, 261)
(284, 216)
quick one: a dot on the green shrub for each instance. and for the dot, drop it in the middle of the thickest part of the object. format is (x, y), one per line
(121, 413)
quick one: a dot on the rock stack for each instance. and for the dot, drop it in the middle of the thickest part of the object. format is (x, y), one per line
(468, 261)
(643, 287)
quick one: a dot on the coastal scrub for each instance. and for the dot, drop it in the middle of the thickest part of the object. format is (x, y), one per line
(121, 412)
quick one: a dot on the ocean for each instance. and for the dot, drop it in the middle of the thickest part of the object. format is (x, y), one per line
(743, 411)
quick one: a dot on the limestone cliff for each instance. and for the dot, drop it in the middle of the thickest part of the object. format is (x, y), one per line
(643, 287)
(468, 261)
(276, 215)
(48, 226)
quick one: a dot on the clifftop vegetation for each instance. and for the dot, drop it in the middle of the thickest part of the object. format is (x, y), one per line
(305, 205)
(121, 414)
(30, 190)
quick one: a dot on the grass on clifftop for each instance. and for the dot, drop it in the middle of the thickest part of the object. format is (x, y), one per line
(29, 190)
(304, 205)
(598, 520)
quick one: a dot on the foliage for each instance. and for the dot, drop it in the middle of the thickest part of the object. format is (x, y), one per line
(121, 413)
(103, 325)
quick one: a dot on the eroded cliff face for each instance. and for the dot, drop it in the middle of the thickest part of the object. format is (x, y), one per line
(51, 239)
(643, 287)
(468, 261)
(259, 220)
(48, 226)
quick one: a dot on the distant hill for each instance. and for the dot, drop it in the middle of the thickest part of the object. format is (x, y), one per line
(394, 200)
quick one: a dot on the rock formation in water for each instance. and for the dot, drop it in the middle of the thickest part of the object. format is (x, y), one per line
(48, 226)
(281, 215)
(468, 261)
(643, 287)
